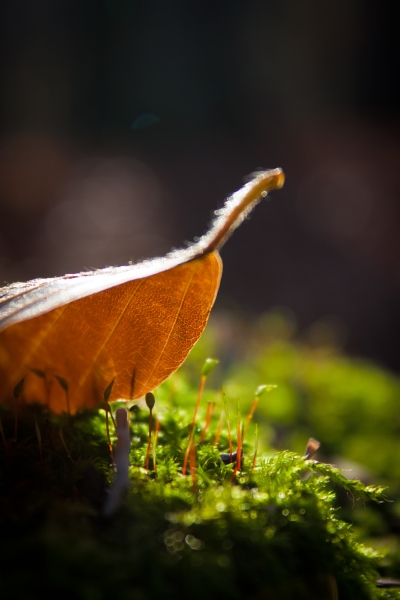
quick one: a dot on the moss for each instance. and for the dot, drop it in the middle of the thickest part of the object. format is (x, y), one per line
(272, 534)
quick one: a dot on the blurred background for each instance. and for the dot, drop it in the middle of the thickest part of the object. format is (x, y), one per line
(124, 124)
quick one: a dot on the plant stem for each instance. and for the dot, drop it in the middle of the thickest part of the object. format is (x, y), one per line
(149, 439)
(193, 424)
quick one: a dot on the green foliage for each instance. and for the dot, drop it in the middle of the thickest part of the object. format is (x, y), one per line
(350, 405)
(275, 533)
(353, 486)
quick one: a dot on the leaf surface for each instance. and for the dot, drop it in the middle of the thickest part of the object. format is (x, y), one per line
(133, 324)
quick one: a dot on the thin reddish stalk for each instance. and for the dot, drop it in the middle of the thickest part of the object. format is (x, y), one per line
(250, 415)
(187, 451)
(229, 429)
(238, 451)
(209, 416)
(109, 440)
(156, 431)
(113, 420)
(149, 440)
(193, 424)
(203, 433)
(255, 451)
(239, 444)
(219, 427)
(193, 466)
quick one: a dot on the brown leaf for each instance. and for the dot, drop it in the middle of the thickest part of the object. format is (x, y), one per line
(70, 337)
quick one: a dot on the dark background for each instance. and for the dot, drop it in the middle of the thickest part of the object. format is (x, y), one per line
(123, 124)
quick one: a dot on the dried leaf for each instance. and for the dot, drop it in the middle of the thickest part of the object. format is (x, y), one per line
(133, 324)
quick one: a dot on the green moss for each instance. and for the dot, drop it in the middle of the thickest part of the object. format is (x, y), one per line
(272, 534)
(350, 404)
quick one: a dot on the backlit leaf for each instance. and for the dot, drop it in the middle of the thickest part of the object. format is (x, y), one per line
(133, 324)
